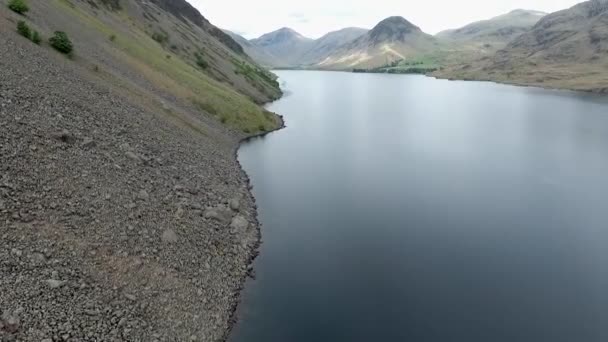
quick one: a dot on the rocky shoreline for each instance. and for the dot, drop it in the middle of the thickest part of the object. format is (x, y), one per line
(256, 248)
(118, 222)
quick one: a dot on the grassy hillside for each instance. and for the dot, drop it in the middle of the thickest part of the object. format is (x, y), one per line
(164, 59)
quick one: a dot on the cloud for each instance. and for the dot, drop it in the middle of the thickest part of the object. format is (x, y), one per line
(299, 17)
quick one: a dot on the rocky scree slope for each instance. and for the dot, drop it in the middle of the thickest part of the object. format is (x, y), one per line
(124, 215)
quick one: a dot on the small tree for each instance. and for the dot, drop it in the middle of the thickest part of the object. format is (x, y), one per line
(18, 6)
(36, 38)
(24, 29)
(61, 43)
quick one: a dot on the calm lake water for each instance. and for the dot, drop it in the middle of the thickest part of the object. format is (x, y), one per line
(404, 208)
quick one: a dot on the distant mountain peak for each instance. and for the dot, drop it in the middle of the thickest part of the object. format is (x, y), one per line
(521, 11)
(282, 34)
(393, 29)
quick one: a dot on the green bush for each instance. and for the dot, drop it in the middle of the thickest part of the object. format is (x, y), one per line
(18, 6)
(36, 38)
(24, 29)
(112, 37)
(61, 43)
(200, 61)
(161, 38)
(262, 128)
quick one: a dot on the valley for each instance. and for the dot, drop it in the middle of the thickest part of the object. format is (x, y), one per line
(563, 50)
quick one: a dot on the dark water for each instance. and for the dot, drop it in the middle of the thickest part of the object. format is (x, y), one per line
(403, 208)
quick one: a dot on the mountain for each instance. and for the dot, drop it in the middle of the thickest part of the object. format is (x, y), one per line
(497, 31)
(567, 49)
(119, 171)
(393, 39)
(285, 45)
(329, 43)
(258, 53)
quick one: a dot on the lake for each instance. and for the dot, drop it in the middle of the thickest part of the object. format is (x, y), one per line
(404, 208)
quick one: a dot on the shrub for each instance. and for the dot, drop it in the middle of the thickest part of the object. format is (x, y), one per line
(24, 29)
(112, 37)
(161, 38)
(36, 38)
(261, 128)
(200, 61)
(61, 43)
(18, 6)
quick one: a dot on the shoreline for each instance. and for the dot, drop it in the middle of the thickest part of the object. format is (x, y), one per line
(255, 251)
(597, 91)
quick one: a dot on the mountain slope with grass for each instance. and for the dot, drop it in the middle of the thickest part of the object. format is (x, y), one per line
(566, 49)
(124, 214)
(393, 39)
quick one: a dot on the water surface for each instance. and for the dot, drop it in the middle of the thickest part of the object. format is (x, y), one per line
(404, 208)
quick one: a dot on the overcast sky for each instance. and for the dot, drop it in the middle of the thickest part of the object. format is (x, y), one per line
(313, 18)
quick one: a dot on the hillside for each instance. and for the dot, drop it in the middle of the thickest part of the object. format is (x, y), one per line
(285, 45)
(393, 39)
(567, 49)
(124, 214)
(495, 32)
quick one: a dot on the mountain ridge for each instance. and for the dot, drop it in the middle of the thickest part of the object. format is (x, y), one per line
(567, 49)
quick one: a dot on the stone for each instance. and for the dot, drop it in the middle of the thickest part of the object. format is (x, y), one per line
(169, 236)
(11, 323)
(218, 214)
(88, 143)
(65, 136)
(143, 195)
(54, 284)
(235, 204)
(239, 223)
(134, 157)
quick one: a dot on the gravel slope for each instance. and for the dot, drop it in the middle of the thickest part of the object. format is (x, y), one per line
(116, 223)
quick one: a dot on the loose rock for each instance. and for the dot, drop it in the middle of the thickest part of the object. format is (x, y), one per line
(169, 236)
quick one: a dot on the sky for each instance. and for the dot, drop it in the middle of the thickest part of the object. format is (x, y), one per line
(314, 18)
